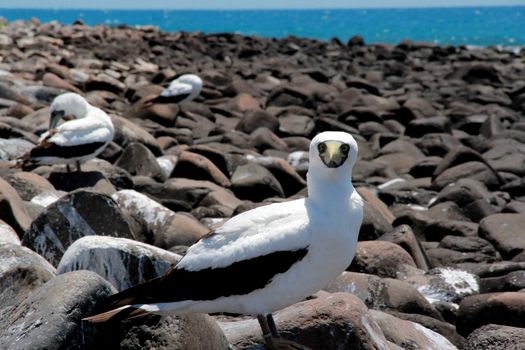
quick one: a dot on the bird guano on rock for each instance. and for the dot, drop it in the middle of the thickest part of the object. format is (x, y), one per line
(267, 258)
(85, 134)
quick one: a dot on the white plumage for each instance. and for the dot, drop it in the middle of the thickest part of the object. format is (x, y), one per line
(306, 243)
(75, 141)
(185, 88)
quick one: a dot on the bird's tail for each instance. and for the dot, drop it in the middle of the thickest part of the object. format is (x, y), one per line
(125, 312)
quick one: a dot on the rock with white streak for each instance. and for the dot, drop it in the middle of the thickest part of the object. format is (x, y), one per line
(80, 213)
(164, 227)
(410, 335)
(121, 261)
(50, 317)
(445, 285)
(383, 293)
(167, 163)
(8, 234)
(21, 271)
(47, 198)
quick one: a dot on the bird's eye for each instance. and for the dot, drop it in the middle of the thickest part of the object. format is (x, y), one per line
(321, 147)
(345, 148)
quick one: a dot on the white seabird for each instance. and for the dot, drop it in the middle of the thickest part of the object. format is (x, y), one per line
(83, 137)
(185, 88)
(267, 258)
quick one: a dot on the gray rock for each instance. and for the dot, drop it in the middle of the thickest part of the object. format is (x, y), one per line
(127, 132)
(118, 177)
(496, 337)
(91, 180)
(419, 127)
(139, 160)
(121, 261)
(174, 332)
(80, 213)
(50, 318)
(13, 148)
(296, 125)
(21, 271)
(254, 119)
(254, 182)
(8, 234)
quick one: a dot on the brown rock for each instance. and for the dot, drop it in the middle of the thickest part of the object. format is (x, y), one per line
(127, 132)
(475, 170)
(28, 184)
(289, 179)
(331, 321)
(53, 80)
(405, 238)
(506, 232)
(162, 113)
(410, 335)
(12, 209)
(380, 258)
(198, 167)
(497, 308)
(244, 102)
(254, 119)
(383, 293)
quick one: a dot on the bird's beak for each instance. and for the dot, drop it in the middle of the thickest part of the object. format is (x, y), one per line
(55, 118)
(333, 157)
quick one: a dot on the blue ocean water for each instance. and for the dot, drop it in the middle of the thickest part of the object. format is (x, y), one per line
(458, 26)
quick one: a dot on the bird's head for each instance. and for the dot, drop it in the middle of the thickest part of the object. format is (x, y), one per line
(67, 106)
(333, 153)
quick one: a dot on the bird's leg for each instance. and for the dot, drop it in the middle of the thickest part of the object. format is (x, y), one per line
(271, 325)
(271, 336)
(263, 322)
(78, 167)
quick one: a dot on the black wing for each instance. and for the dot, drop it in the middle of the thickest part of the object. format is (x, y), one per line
(241, 277)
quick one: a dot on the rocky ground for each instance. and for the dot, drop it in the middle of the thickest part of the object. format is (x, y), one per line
(441, 131)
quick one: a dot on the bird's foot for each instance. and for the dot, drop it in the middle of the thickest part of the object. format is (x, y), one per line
(278, 343)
